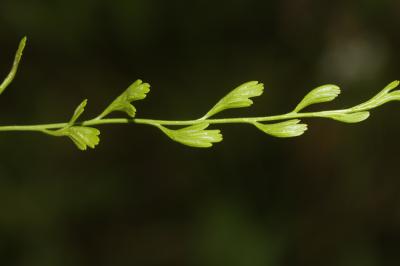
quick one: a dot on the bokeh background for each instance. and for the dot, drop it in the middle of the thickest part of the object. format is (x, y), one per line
(330, 197)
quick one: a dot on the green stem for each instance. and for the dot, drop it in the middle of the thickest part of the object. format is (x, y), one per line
(153, 122)
(10, 77)
(243, 120)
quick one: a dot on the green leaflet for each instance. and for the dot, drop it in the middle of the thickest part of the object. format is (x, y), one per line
(391, 86)
(17, 59)
(384, 96)
(82, 136)
(194, 136)
(239, 97)
(78, 112)
(287, 129)
(135, 92)
(351, 118)
(325, 93)
(394, 96)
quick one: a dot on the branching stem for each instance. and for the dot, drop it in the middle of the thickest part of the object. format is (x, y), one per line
(195, 133)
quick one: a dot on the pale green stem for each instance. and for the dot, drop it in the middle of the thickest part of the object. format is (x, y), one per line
(10, 77)
(157, 123)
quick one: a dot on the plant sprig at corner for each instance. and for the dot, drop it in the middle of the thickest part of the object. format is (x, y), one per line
(196, 133)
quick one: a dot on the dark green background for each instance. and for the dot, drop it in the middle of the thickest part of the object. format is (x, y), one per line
(330, 197)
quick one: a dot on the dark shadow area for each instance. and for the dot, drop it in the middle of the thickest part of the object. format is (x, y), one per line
(330, 197)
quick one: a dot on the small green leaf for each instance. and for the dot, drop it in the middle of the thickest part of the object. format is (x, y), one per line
(82, 136)
(17, 59)
(239, 97)
(194, 136)
(351, 118)
(325, 93)
(384, 96)
(391, 86)
(287, 129)
(136, 91)
(78, 112)
(394, 96)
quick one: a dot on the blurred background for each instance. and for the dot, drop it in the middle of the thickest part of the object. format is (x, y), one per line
(330, 197)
